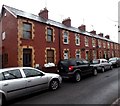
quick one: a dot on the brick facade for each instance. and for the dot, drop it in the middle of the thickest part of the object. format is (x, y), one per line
(90, 45)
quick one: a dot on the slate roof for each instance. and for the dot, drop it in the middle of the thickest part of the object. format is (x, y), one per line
(21, 13)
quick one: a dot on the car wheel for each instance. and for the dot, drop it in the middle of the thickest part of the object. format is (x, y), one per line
(77, 77)
(117, 65)
(3, 100)
(54, 84)
(95, 72)
(103, 69)
(111, 67)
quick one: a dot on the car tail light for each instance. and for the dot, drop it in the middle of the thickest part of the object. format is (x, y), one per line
(70, 68)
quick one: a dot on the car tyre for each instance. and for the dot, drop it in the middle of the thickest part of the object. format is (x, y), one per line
(77, 77)
(111, 67)
(3, 100)
(103, 69)
(95, 72)
(54, 84)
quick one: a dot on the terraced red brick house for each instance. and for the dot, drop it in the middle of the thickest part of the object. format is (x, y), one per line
(27, 40)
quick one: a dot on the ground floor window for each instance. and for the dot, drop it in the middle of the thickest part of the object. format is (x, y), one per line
(94, 54)
(66, 54)
(50, 56)
(78, 54)
(87, 55)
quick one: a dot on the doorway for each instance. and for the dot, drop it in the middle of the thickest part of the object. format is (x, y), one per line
(27, 57)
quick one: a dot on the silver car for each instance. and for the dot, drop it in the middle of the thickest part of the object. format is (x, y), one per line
(105, 64)
(19, 81)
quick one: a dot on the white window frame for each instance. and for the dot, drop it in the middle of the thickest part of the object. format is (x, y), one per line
(66, 54)
(78, 54)
(86, 41)
(77, 39)
(65, 36)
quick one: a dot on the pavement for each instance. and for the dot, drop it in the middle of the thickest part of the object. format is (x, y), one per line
(116, 103)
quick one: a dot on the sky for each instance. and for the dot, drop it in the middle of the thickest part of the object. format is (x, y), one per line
(98, 15)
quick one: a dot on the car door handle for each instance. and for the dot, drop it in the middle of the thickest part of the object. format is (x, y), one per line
(5, 84)
(29, 81)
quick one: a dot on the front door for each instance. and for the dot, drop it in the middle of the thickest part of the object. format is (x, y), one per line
(27, 57)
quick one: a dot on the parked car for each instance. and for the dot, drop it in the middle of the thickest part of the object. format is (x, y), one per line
(115, 61)
(96, 64)
(19, 81)
(102, 64)
(75, 68)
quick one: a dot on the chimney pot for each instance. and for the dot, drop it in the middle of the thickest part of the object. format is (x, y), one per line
(100, 34)
(93, 32)
(107, 36)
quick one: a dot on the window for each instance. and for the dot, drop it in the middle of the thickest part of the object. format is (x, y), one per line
(65, 38)
(93, 42)
(32, 73)
(12, 74)
(99, 43)
(108, 45)
(49, 35)
(111, 45)
(27, 31)
(104, 44)
(94, 54)
(3, 36)
(77, 39)
(66, 54)
(86, 41)
(78, 54)
(50, 56)
(1, 77)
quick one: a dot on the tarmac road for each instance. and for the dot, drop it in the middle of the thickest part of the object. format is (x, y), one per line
(100, 89)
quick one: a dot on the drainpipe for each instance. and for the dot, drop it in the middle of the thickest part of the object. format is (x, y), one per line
(59, 44)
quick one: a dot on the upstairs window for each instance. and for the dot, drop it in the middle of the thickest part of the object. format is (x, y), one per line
(49, 35)
(86, 41)
(27, 30)
(93, 42)
(65, 38)
(108, 45)
(104, 44)
(99, 43)
(77, 39)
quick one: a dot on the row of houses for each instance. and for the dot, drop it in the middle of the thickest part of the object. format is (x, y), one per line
(33, 40)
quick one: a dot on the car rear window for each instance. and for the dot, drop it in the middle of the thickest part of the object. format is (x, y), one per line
(95, 61)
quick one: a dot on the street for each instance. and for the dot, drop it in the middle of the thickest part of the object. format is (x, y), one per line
(100, 89)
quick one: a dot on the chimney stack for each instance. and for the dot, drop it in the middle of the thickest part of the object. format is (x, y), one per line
(93, 32)
(44, 13)
(67, 22)
(82, 28)
(107, 36)
(100, 34)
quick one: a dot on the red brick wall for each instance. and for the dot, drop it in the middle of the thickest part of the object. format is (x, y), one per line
(9, 25)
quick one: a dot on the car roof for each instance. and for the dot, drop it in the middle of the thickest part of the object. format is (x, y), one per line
(12, 68)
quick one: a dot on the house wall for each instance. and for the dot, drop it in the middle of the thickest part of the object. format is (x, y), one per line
(9, 44)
